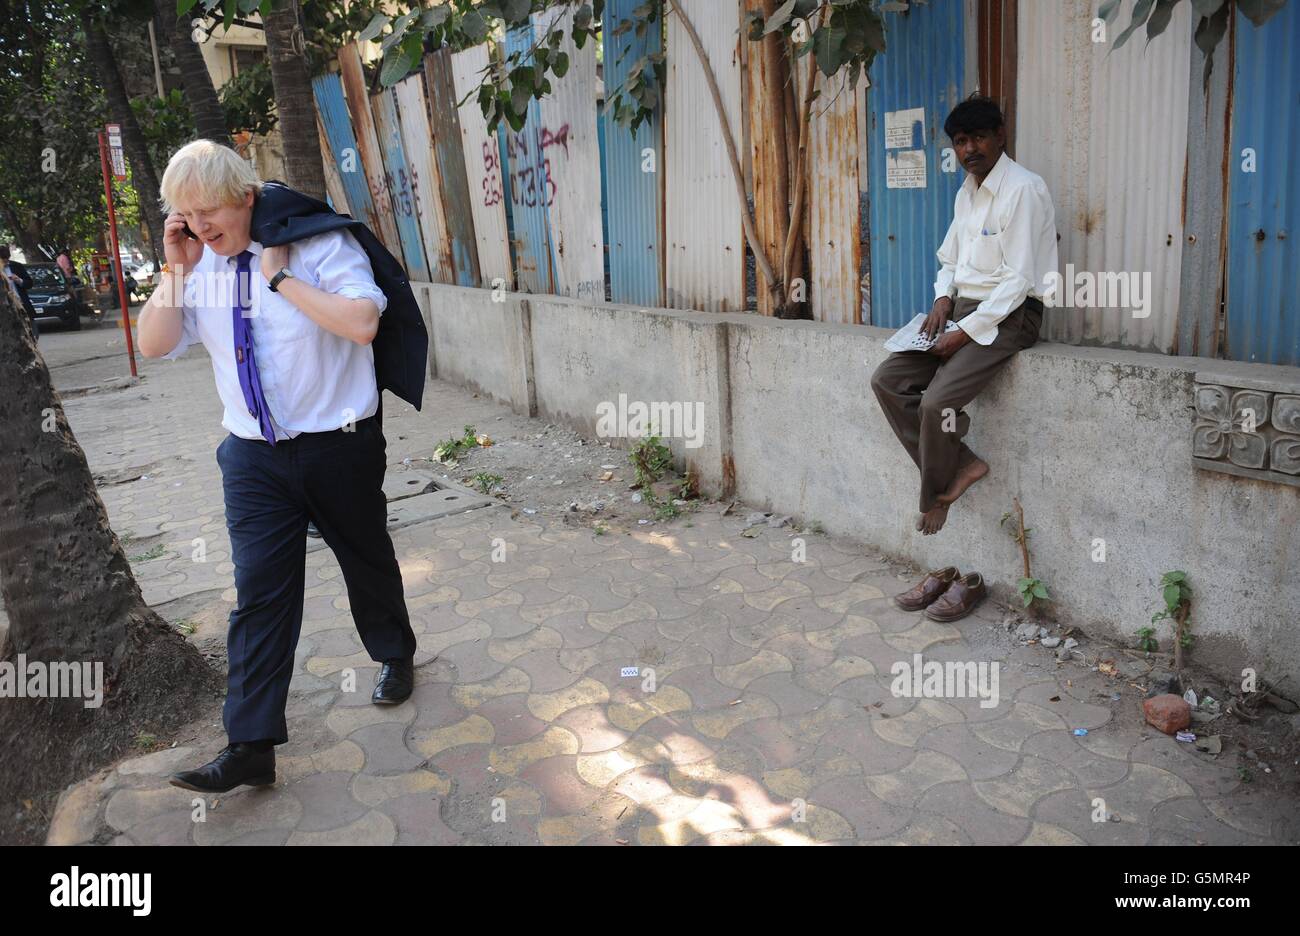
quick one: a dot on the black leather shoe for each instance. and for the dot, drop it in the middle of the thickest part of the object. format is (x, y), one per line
(237, 764)
(395, 681)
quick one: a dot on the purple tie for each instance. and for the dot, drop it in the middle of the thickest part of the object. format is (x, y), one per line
(245, 361)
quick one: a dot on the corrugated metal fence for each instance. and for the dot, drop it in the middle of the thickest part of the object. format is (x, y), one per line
(1198, 251)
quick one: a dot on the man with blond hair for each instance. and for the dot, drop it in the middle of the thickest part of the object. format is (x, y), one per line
(283, 296)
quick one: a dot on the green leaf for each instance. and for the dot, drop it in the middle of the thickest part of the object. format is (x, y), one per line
(560, 64)
(1172, 594)
(1175, 576)
(1260, 12)
(1141, 10)
(1160, 18)
(373, 28)
(515, 11)
(1207, 7)
(1029, 599)
(474, 26)
(828, 45)
(1040, 591)
(519, 95)
(780, 17)
(582, 18)
(1108, 10)
(1209, 32)
(394, 68)
(184, 6)
(434, 17)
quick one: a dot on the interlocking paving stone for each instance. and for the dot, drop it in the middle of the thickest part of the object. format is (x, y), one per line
(771, 721)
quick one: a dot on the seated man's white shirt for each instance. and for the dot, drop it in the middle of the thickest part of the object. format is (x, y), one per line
(1000, 247)
(313, 380)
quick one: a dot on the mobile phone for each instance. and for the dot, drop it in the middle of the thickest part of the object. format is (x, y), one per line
(188, 233)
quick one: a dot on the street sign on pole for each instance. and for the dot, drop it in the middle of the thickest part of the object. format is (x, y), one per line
(104, 149)
(115, 154)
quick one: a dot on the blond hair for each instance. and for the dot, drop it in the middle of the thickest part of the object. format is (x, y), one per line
(204, 174)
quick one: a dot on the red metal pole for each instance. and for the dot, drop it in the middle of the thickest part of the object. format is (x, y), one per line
(117, 256)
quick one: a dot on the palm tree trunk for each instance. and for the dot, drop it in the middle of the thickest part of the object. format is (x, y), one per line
(294, 102)
(209, 118)
(143, 177)
(71, 598)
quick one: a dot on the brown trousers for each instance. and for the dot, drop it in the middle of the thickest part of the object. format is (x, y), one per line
(923, 397)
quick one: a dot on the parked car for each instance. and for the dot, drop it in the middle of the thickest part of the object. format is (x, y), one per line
(54, 297)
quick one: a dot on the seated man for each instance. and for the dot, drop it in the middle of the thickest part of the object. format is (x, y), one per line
(995, 261)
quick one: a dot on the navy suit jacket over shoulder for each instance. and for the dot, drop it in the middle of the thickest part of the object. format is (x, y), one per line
(282, 216)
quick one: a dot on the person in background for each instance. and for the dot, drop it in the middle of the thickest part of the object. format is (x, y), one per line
(22, 281)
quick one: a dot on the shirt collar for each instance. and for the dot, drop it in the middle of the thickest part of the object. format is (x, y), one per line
(992, 181)
(253, 247)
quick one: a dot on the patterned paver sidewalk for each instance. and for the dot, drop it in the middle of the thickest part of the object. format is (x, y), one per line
(771, 720)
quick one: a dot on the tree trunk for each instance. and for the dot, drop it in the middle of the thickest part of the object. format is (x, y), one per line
(71, 598)
(209, 118)
(294, 103)
(143, 177)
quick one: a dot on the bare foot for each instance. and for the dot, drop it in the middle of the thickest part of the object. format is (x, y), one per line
(932, 520)
(967, 476)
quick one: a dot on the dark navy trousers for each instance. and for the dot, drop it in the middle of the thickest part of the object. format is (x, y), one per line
(336, 480)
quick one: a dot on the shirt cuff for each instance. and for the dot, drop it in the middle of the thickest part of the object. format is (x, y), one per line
(979, 332)
(373, 293)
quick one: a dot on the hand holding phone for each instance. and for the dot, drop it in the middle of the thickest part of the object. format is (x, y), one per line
(180, 246)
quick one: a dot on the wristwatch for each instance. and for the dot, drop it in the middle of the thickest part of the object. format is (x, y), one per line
(284, 274)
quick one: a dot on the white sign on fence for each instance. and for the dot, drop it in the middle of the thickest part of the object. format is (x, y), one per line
(899, 125)
(905, 169)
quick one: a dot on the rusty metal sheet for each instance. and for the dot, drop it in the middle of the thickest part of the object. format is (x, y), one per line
(372, 162)
(426, 181)
(705, 248)
(834, 246)
(447, 145)
(388, 129)
(770, 168)
(482, 169)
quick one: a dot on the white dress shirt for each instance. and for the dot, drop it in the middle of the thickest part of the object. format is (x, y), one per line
(1000, 247)
(313, 379)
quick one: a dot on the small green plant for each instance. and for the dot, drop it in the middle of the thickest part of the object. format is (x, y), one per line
(486, 482)
(186, 627)
(600, 529)
(146, 741)
(1030, 588)
(453, 450)
(650, 458)
(1177, 595)
(150, 555)
(815, 526)
(1147, 642)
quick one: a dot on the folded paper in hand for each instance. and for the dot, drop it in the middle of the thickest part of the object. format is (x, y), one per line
(911, 338)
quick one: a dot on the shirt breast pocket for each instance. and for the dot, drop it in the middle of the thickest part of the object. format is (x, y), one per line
(986, 253)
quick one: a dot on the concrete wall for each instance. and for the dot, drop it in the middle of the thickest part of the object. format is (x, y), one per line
(1096, 444)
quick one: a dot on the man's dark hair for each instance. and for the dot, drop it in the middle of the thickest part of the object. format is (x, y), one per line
(4, 251)
(975, 113)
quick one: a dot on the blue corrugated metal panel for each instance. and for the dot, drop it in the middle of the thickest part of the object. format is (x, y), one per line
(604, 185)
(631, 195)
(333, 110)
(502, 130)
(383, 107)
(529, 189)
(922, 68)
(1263, 289)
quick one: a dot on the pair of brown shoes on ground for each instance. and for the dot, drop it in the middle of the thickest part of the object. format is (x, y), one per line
(945, 594)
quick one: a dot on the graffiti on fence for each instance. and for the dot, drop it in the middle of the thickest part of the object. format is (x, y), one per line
(531, 181)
